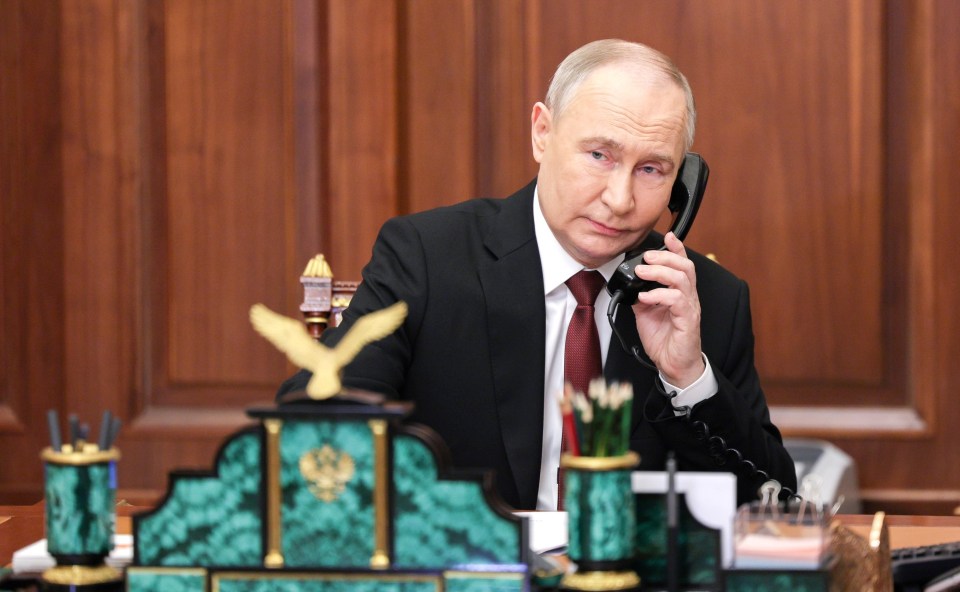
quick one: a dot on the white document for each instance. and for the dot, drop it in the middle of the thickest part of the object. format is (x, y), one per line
(548, 531)
(711, 499)
(34, 558)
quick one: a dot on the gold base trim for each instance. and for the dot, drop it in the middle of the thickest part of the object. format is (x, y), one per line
(600, 463)
(80, 575)
(88, 455)
(601, 580)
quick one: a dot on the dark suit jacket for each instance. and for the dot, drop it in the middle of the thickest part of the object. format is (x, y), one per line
(470, 354)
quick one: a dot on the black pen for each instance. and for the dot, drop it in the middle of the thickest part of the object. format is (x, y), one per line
(74, 430)
(103, 442)
(673, 553)
(114, 431)
(53, 422)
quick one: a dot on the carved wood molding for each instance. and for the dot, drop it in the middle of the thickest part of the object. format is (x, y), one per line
(165, 422)
(850, 422)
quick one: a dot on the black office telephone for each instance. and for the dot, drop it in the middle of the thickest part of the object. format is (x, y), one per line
(624, 285)
(684, 203)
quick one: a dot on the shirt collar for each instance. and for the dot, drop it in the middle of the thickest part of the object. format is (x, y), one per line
(557, 265)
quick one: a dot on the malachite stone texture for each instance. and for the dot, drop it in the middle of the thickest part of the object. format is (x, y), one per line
(140, 581)
(345, 583)
(795, 581)
(440, 523)
(80, 502)
(151, 581)
(210, 521)
(479, 583)
(327, 519)
(600, 507)
(319, 533)
(367, 583)
(698, 545)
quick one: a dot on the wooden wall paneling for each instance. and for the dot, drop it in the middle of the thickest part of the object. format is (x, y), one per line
(920, 476)
(102, 158)
(306, 214)
(31, 253)
(439, 86)
(504, 159)
(945, 316)
(227, 191)
(361, 147)
(235, 198)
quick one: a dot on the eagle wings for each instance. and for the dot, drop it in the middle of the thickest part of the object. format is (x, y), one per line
(326, 363)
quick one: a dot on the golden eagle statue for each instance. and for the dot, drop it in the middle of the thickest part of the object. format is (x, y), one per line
(291, 337)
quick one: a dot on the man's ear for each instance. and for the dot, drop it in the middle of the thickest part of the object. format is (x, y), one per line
(541, 122)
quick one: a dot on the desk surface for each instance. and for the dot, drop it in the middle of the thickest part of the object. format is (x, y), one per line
(22, 525)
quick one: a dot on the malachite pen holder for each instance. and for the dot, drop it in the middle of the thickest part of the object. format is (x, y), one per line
(602, 516)
(80, 488)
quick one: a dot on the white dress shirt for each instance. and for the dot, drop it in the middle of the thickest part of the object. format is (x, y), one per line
(558, 266)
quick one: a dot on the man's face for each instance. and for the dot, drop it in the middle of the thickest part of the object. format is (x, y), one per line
(608, 163)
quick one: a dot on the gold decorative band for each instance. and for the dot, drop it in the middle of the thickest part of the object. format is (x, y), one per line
(381, 556)
(80, 575)
(601, 580)
(274, 557)
(600, 463)
(315, 321)
(89, 454)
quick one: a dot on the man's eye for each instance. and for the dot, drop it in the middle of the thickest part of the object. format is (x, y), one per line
(596, 155)
(648, 170)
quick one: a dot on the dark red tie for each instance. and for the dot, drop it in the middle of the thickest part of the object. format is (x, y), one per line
(581, 355)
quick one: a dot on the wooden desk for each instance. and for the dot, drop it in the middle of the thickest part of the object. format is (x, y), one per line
(909, 531)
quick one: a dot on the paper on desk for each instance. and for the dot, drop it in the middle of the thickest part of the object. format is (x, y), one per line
(764, 551)
(548, 530)
(34, 558)
(711, 499)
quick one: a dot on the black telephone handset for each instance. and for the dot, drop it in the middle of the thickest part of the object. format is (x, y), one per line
(684, 203)
(624, 285)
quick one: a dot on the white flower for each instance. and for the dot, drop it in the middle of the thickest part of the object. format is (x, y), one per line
(622, 392)
(583, 407)
(599, 392)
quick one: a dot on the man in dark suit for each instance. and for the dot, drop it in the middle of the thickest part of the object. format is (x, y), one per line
(481, 351)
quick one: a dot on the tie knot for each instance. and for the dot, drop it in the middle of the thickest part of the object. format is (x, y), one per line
(585, 286)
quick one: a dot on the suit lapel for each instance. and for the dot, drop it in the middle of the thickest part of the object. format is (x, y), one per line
(512, 285)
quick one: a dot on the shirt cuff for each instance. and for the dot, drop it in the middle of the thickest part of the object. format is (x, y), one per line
(702, 389)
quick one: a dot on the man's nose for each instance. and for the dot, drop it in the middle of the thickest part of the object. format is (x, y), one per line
(618, 195)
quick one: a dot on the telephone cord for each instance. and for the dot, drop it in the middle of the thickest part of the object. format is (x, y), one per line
(719, 450)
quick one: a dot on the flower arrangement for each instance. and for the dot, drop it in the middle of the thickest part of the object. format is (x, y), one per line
(597, 423)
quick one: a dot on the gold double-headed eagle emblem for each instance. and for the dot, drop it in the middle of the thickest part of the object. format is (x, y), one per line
(326, 471)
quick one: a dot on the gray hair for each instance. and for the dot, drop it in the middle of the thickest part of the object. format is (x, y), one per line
(577, 66)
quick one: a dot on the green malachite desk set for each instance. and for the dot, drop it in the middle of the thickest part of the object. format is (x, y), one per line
(329, 497)
(340, 494)
(80, 486)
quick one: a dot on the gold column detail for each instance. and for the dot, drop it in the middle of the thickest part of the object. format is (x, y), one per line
(381, 477)
(274, 558)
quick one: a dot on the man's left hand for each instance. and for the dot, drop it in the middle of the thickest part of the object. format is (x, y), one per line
(668, 318)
